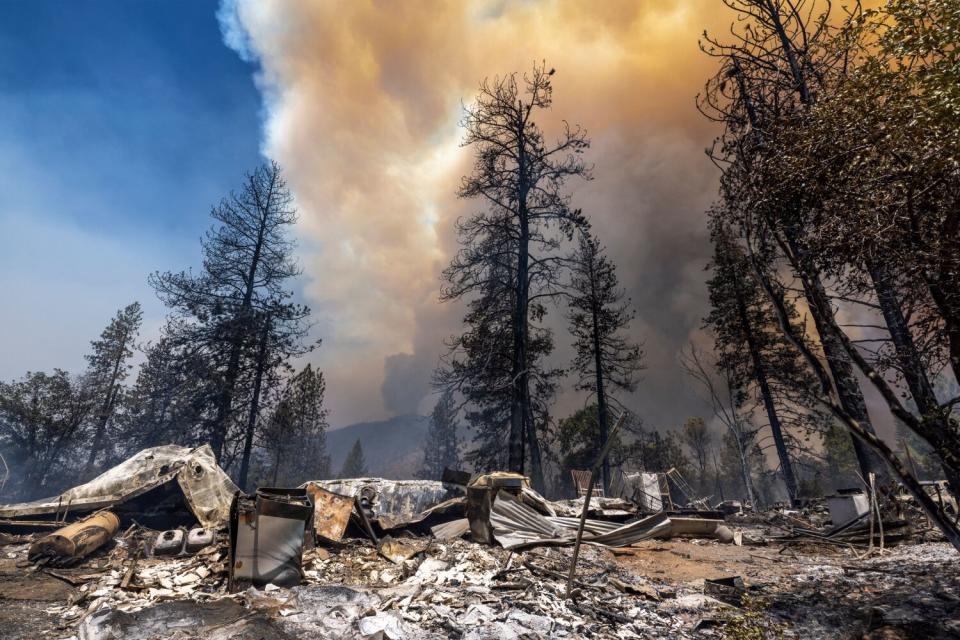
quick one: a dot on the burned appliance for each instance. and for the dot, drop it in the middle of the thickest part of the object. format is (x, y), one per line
(267, 533)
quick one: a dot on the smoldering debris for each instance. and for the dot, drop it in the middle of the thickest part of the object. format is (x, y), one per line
(487, 558)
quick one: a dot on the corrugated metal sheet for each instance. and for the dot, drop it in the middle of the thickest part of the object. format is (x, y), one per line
(516, 526)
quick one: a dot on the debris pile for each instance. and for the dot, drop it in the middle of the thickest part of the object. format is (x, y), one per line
(481, 558)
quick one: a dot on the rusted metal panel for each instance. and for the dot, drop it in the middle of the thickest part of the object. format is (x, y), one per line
(478, 514)
(331, 512)
(397, 550)
(75, 541)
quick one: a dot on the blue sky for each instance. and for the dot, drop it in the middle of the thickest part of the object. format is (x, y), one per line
(121, 123)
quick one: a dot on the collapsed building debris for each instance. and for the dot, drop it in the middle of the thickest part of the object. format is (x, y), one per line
(375, 558)
(158, 485)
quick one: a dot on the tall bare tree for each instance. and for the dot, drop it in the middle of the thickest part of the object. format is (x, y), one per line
(723, 399)
(519, 176)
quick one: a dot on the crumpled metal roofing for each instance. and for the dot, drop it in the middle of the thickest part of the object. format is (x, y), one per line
(397, 503)
(517, 525)
(206, 488)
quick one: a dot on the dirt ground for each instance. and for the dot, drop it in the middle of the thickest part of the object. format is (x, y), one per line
(908, 591)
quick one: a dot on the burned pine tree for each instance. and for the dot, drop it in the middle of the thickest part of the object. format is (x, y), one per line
(294, 438)
(171, 396)
(355, 464)
(886, 219)
(479, 362)
(520, 178)
(599, 313)
(280, 336)
(107, 369)
(442, 447)
(774, 88)
(247, 261)
(771, 74)
(749, 344)
(43, 420)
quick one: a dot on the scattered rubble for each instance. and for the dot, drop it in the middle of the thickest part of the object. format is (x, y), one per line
(373, 558)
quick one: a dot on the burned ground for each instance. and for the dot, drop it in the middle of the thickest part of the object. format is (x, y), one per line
(381, 559)
(458, 589)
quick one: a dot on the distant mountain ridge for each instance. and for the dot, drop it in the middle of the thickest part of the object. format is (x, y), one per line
(393, 448)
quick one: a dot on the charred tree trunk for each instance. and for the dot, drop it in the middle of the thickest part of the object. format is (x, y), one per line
(760, 373)
(520, 387)
(830, 399)
(849, 393)
(602, 412)
(745, 471)
(254, 403)
(533, 443)
(937, 428)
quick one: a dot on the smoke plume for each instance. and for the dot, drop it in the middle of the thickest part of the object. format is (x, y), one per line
(362, 100)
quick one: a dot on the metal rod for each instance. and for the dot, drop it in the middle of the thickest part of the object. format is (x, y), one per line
(586, 499)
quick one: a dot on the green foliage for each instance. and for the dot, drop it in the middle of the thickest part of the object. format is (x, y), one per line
(42, 423)
(753, 623)
(633, 448)
(577, 437)
(355, 466)
(294, 439)
(108, 366)
(242, 290)
(442, 448)
(698, 440)
(840, 456)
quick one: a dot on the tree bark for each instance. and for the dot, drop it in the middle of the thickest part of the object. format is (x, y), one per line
(936, 427)
(519, 379)
(848, 388)
(521, 428)
(830, 399)
(243, 317)
(602, 413)
(254, 404)
(760, 373)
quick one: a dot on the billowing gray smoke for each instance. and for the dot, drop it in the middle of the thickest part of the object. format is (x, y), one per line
(362, 101)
